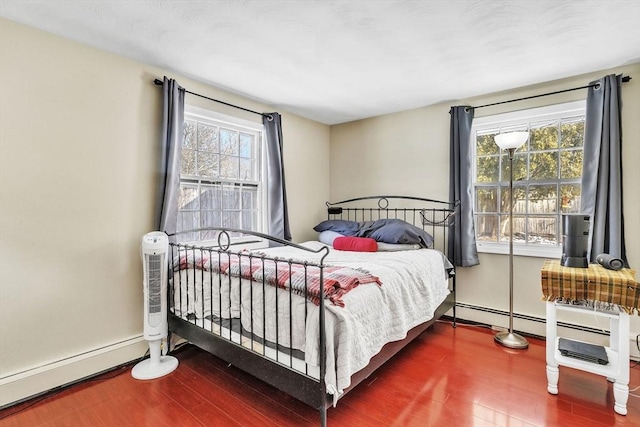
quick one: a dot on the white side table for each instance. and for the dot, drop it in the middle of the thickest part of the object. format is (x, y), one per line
(617, 371)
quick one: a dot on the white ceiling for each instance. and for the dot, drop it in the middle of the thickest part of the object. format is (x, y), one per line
(337, 61)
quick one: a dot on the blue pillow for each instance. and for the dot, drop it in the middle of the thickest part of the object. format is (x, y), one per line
(397, 231)
(342, 226)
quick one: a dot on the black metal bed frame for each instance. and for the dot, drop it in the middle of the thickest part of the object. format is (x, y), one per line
(312, 391)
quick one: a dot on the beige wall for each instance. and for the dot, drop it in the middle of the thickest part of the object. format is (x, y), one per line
(408, 153)
(79, 137)
(79, 131)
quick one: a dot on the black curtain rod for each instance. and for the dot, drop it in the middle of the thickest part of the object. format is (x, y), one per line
(159, 82)
(624, 80)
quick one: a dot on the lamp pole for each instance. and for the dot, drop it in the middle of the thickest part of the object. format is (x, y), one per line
(511, 151)
(509, 338)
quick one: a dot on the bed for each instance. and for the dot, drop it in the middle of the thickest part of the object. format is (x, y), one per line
(315, 319)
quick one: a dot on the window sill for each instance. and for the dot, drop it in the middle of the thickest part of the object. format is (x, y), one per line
(520, 250)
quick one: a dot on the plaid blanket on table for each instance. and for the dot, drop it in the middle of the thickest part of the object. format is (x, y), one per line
(302, 280)
(594, 284)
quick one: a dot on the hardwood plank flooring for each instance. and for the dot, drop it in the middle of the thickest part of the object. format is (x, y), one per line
(446, 377)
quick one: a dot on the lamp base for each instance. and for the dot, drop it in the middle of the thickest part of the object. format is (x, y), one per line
(511, 340)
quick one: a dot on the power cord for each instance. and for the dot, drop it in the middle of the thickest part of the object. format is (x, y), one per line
(595, 318)
(634, 389)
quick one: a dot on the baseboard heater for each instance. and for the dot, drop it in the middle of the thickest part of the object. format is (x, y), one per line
(531, 318)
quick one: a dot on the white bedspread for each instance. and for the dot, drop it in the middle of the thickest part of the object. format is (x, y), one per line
(413, 285)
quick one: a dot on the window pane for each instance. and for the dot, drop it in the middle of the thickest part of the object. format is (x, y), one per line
(486, 200)
(246, 169)
(485, 144)
(211, 219)
(229, 142)
(207, 164)
(249, 198)
(543, 165)
(570, 198)
(189, 140)
(543, 230)
(230, 198)
(543, 199)
(207, 137)
(210, 197)
(188, 198)
(231, 219)
(543, 136)
(246, 145)
(505, 200)
(187, 162)
(487, 169)
(519, 197)
(250, 220)
(519, 167)
(188, 220)
(229, 167)
(519, 229)
(487, 228)
(571, 164)
(572, 132)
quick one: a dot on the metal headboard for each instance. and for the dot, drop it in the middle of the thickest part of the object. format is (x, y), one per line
(429, 214)
(433, 216)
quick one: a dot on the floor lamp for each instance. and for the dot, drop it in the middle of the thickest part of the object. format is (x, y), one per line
(511, 141)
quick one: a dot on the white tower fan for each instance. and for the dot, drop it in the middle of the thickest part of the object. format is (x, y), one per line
(154, 251)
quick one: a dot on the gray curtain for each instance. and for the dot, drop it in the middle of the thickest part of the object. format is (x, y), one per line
(172, 135)
(602, 169)
(278, 217)
(462, 236)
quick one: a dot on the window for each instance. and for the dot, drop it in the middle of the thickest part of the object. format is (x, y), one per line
(547, 171)
(221, 174)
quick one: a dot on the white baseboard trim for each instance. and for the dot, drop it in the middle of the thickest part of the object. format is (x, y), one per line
(19, 386)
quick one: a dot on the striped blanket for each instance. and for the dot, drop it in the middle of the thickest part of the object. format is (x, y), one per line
(302, 279)
(594, 284)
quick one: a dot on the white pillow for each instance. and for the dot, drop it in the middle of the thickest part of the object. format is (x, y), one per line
(327, 237)
(388, 247)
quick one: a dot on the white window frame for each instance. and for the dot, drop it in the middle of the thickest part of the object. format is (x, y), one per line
(192, 112)
(519, 120)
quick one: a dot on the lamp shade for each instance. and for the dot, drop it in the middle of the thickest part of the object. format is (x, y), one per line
(511, 139)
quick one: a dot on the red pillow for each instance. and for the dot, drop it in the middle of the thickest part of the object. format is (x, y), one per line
(356, 244)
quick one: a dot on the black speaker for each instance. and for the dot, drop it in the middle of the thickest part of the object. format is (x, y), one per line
(575, 239)
(610, 262)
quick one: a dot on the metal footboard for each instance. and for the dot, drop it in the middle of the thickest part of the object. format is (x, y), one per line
(226, 312)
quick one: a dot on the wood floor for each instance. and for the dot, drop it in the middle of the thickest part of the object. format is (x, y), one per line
(446, 377)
